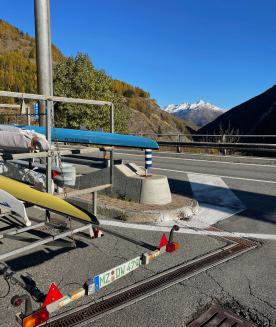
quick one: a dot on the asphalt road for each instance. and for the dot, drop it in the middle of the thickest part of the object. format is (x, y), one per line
(245, 284)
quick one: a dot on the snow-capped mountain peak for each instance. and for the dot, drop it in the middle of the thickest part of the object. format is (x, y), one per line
(199, 113)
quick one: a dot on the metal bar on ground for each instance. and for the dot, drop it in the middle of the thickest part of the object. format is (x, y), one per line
(43, 241)
(84, 191)
(21, 230)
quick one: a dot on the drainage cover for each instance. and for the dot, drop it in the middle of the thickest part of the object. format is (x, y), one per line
(216, 316)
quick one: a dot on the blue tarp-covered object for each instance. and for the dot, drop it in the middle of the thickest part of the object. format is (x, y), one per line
(97, 138)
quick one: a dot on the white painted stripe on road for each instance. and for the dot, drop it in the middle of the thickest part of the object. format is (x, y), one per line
(152, 228)
(204, 160)
(217, 202)
(213, 190)
(222, 176)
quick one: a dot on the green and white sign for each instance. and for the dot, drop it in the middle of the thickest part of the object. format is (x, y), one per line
(110, 276)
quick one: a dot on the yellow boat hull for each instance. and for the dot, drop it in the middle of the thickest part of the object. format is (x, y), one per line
(25, 193)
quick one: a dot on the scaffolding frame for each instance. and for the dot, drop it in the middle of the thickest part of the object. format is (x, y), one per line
(65, 150)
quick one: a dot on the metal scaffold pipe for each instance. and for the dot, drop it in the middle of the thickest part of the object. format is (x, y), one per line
(44, 73)
(43, 53)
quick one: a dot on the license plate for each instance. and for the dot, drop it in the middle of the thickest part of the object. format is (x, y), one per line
(110, 276)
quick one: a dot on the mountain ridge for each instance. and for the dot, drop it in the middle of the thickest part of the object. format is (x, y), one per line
(255, 116)
(199, 113)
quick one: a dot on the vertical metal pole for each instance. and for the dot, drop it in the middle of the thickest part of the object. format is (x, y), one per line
(44, 73)
(50, 53)
(28, 116)
(94, 199)
(43, 53)
(49, 105)
(111, 151)
(112, 118)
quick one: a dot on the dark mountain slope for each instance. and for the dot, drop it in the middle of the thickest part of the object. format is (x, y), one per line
(255, 116)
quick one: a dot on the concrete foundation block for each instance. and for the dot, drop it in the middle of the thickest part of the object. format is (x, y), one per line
(131, 184)
(155, 190)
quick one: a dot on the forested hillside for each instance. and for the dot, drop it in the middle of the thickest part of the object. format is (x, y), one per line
(256, 116)
(17, 60)
(76, 76)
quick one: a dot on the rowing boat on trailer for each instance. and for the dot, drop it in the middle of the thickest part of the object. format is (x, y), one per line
(97, 138)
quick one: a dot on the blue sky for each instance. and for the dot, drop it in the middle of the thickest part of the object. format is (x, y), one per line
(221, 51)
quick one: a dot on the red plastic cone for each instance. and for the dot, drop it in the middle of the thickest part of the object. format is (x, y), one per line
(52, 295)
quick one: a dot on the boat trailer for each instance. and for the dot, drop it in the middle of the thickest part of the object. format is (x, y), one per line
(54, 300)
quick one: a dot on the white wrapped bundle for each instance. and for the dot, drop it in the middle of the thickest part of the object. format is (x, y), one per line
(13, 138)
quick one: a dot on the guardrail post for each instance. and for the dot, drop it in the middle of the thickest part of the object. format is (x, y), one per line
(224, 151)
(178, 149)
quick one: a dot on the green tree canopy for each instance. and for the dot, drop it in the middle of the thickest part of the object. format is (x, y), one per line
(76, 77)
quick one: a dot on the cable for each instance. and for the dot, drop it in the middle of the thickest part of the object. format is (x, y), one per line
(67, 284)
(8, 292)
(72, 283)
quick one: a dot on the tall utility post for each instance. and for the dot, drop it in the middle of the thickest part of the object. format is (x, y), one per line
(44, 73)
(43, 53)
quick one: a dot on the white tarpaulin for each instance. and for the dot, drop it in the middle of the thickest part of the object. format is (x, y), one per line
(8, 201)
(13, 138)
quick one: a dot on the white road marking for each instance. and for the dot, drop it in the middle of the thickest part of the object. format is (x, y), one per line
(222, 176)
(213, 190)
(217, 202)
(204, 160)
(152, 228)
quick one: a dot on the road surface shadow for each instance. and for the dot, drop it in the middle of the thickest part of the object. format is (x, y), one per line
(260, 207)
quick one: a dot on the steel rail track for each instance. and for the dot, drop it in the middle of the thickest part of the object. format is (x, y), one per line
(83, 315)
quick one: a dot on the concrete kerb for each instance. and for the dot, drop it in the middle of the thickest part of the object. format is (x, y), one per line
(141, 216)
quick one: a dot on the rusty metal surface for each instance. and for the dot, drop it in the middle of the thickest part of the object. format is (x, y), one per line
(216, 316)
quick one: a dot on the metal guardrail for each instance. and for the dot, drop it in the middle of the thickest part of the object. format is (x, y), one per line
(216, 141)
(204, 135)
(213, 145)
